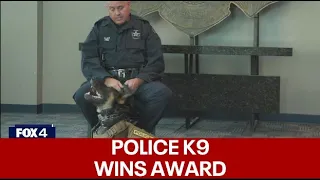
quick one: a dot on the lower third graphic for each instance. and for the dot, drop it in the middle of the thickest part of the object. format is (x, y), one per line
(32, 131)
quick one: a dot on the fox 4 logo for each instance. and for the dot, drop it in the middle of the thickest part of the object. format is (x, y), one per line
(32, 131)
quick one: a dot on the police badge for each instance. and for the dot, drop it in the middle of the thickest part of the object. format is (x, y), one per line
(135, 34)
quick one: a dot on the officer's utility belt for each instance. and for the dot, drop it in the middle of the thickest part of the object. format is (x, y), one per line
(124, 73)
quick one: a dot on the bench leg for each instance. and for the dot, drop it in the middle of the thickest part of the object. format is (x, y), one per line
(254, 121)
(191, 121)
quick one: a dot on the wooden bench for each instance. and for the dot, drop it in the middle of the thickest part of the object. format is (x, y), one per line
(195, 94)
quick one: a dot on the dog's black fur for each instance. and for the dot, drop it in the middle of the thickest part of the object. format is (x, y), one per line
(100, 95)
(111, 104)
(114, 113)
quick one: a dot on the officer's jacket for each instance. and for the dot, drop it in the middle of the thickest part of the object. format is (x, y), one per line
(133, 45)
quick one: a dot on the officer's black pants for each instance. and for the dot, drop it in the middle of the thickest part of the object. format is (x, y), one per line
(150, 100)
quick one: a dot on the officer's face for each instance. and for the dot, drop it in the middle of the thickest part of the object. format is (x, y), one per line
(119, 11)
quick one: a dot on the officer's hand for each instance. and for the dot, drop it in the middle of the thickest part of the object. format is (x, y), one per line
(134, 84)
(111, 82)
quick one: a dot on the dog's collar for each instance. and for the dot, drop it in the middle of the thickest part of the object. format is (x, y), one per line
(106, 112)
(109, 117)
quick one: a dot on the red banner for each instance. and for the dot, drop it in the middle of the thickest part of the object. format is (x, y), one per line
(160, 158)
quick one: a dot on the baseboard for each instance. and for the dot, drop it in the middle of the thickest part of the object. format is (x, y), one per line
(17, 108)
(71, 108)
(40, 108)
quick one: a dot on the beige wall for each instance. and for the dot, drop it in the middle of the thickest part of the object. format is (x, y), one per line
(19, 52)
(285, 24)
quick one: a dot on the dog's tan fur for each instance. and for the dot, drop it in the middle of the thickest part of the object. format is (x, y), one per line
(109, 98)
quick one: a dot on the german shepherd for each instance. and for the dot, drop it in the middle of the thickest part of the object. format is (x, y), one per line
(113, 112)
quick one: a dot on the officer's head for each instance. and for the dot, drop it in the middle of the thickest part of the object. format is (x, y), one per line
(119, 11)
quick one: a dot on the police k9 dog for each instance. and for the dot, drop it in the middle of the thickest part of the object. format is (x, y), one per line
(113, 112)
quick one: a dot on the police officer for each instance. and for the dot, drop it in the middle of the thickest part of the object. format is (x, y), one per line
(124, 49)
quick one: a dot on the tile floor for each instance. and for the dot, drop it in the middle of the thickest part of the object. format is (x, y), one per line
(74, 125)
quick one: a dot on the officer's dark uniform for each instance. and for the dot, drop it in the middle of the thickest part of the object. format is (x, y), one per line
(124, 52)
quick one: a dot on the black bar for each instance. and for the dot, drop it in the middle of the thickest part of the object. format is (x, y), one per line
(191, 56)
(255, 67)
(255, 59)
(80, 46)
(190, 63)
(225, 50)
(196, 42)
(186, 64)
(191, 120)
